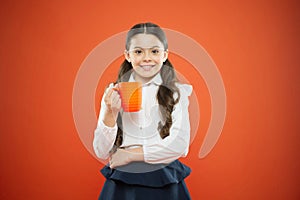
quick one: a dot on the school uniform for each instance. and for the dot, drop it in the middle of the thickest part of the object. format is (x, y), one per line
(161, 175)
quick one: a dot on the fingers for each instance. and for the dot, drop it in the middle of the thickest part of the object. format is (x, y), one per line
(119, 158)
(112, 99)
(115, 97)
(110, 93)
(111, 164)
(115, 100)
(114, 159)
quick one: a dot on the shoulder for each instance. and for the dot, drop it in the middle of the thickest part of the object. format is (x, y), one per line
(184, 89)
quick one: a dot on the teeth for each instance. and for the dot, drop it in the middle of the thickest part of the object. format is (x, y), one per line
(147, 67)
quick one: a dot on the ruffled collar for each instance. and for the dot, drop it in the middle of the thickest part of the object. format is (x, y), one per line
(157, 80)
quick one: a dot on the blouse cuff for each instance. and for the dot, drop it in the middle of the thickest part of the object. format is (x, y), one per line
(104, 139)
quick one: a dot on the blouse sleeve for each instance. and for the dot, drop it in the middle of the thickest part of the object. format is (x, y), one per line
(104, 136)
(175, 145)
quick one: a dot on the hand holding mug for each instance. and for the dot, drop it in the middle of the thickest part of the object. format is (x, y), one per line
(131, 95)
(112, 100)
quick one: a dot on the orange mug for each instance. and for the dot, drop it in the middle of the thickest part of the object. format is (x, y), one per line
(131, 96)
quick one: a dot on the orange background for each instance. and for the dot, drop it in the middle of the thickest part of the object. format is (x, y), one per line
(255, 45)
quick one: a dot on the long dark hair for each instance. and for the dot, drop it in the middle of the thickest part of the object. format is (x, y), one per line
(166, 90)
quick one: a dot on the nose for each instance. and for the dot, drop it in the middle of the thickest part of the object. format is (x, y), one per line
(147, 56)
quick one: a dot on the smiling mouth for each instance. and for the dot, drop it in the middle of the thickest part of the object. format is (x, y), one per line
(147, 67)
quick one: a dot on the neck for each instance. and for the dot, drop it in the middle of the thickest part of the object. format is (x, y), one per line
(143, 80)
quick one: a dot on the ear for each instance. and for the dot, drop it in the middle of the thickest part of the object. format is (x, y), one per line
(126, 55)
(166, 54)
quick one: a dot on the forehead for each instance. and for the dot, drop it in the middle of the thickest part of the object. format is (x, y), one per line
(145, 41)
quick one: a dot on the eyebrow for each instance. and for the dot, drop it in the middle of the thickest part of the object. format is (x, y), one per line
(147, 48)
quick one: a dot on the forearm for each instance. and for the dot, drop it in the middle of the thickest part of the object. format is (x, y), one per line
(106, 130)
(166, 151)
(136, 154)
(104, 138)
(125, 156)
(109, 118)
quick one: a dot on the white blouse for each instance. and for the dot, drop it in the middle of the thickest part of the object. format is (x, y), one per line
(140, 128)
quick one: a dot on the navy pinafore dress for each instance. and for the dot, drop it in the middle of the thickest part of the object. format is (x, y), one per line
(143, 181)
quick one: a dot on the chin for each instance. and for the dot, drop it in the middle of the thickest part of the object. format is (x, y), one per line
(148, 75)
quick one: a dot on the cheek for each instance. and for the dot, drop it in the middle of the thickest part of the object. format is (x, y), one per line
(135, 64)
(135, 61)
(158, 60)
(161, 59)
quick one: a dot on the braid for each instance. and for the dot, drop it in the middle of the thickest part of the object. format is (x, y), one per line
(165, 97)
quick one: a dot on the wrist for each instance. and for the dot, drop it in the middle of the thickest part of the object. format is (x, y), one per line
(136, 154)
(109, 118)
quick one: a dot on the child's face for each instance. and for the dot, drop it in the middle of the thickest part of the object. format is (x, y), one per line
(146, 54)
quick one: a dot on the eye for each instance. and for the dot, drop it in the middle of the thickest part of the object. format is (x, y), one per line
(138, 51)
(155, 51)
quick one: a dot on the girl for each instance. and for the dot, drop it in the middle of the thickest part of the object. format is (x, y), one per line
(143, 147)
